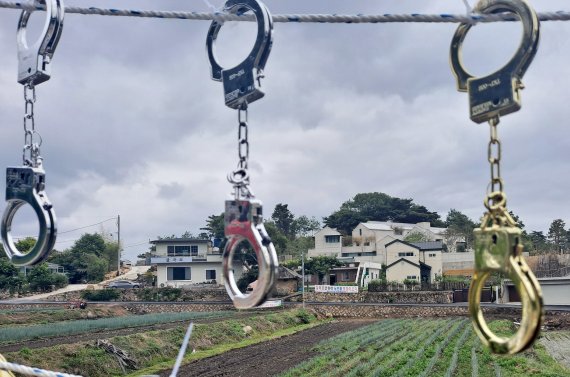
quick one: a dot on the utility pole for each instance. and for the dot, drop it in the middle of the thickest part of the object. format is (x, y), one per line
(303, 273)
(118, 245)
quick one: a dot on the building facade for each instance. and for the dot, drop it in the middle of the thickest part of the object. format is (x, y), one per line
(419, 261)
(187, 261)
(380, 243)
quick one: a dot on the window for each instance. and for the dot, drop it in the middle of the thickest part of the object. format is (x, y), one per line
(360, 231)
(178, 251)
(406, 254)
(210, 274)
(345, 275)
(398, 231)
(412, 277)
(194, 250)
(332, 239)
(178, 273)
(432, 255)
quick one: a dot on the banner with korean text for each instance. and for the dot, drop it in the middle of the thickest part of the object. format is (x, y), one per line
(336, 289)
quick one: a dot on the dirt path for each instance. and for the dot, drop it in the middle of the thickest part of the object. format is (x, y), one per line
(268, 358)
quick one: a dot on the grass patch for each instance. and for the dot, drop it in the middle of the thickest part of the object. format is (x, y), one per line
(15, 334)
(157, 350)
(11, 318)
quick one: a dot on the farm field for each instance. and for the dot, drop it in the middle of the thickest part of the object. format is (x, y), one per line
(391, 347)
(285, 343)
(423, 347)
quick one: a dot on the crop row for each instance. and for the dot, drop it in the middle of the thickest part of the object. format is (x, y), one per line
(426, 347)
(420, 347)
(346, 344)
(15, 334)
(374, 349)
(414, 360)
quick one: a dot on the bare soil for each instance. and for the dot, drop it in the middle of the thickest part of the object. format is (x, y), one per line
(269, 358)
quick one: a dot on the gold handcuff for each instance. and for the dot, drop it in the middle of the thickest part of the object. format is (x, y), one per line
(498, 246)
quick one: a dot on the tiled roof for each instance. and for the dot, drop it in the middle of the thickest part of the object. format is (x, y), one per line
(426, 246)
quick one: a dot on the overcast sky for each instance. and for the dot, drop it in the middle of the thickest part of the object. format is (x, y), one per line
(133, 125)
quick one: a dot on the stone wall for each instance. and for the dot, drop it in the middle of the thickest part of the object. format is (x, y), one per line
(156, 294)
(418, 297)
(177, 308)
(553, 319)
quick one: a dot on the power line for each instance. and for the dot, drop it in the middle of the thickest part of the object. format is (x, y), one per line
(308, 18)
(136, 244)
(86, 226)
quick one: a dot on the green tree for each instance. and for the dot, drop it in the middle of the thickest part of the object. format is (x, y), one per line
(283, 219)
(96, 268)
(459, 226)
(304, 226)
(321, 265)
(90, 244)
(10, 278)
(557, 235)
(280, 241)
(215, 229)
(517, 219)
(377, 206)
(539, 242)
(26, 244)
(41, 279)
(301, 245)
(84, 259)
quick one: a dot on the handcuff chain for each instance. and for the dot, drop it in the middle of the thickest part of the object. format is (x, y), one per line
(239, 178)
(243, 142)
(495, 201)
(32, 139)
(494, 157)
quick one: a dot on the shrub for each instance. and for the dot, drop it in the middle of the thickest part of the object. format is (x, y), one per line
(101, 295)
(377, 285)
(42, 279)
(305, 316)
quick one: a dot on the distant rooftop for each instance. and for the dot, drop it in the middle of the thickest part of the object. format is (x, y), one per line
(430, 245)
(388, 225)
(181, 240)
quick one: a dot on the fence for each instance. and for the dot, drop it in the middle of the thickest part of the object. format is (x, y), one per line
(437, 286)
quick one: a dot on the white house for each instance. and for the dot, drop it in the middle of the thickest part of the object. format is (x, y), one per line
(369, 240)
(328, 241)
(187, 261)
(420, 261)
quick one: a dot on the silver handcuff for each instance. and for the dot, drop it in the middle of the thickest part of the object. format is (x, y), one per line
(243, 220)
(242, 83)
(26, 184)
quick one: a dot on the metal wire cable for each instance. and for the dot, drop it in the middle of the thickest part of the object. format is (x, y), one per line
(21, 369)
(306, 18)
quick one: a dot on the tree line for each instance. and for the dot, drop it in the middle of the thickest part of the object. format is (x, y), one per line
(88, 261)
(293, 235)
